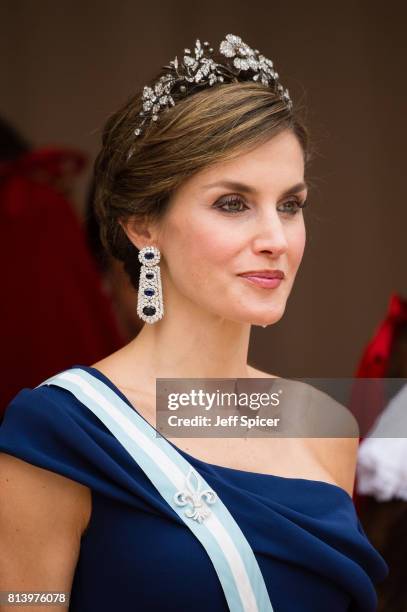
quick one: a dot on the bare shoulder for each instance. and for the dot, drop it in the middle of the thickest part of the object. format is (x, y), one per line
(328, 416)
(338, 457)
(336, 440)
(330, 432)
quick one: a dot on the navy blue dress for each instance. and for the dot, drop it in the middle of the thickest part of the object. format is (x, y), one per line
(138, 555)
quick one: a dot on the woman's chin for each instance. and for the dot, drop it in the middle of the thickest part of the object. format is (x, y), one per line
(270, 318)
(263, 319)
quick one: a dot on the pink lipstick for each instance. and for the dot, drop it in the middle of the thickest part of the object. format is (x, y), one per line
(269, 279)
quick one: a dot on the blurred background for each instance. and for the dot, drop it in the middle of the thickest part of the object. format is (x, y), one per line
(67, 65)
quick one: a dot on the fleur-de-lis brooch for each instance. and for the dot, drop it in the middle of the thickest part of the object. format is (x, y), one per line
(193, 495)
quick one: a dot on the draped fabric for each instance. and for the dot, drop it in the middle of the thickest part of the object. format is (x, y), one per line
(137, 554)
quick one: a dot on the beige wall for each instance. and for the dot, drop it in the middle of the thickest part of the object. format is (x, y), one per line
(66, 65)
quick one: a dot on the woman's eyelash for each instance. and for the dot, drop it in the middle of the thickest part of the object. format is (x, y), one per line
(238, 200)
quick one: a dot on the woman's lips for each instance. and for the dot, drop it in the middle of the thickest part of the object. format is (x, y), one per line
(262, 281)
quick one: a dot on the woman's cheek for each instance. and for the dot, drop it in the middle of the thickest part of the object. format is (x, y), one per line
(297, 245)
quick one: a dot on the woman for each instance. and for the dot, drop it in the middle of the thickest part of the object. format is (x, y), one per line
(206, 185)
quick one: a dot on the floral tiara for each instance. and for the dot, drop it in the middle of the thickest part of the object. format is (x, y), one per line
(199, 69)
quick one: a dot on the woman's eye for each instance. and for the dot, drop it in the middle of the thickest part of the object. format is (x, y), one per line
(293, 206)
(232, 205)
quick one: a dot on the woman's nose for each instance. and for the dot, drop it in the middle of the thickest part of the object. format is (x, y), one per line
(270, 234)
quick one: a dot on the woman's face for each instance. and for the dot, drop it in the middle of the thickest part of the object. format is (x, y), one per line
(213, 232)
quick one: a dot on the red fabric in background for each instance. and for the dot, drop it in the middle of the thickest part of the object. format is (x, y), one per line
(47, 163)
(53, 310)
(375, 359)
(374, 364)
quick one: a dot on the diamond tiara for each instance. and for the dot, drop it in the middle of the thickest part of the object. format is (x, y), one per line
(199, 69)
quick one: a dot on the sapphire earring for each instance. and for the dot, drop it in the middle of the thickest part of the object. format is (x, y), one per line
(150, 305)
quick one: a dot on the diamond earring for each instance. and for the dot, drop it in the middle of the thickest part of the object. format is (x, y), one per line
(150, 305)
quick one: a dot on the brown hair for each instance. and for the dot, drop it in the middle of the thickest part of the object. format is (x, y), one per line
(212, 125)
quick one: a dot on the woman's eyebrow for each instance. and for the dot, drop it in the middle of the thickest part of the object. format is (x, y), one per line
(249, 189)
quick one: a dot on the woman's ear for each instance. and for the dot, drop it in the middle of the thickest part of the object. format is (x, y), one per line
(138, 232)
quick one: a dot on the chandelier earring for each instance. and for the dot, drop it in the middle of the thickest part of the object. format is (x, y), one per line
(150, 306)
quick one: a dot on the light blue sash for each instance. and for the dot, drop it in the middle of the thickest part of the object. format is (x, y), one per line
(180, 485)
